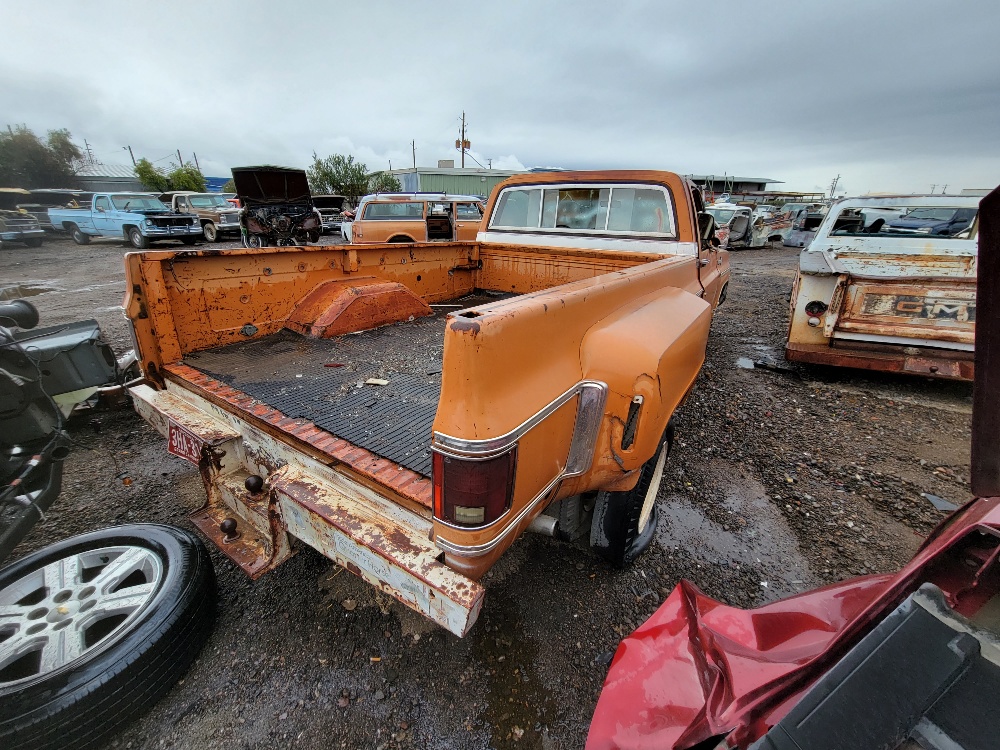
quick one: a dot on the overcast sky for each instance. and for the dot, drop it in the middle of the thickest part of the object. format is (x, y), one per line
(893, 96)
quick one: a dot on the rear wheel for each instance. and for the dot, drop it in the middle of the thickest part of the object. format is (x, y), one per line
(211, 232)
(625, 522)
(78, 236)
(95, 629)
(137, 239)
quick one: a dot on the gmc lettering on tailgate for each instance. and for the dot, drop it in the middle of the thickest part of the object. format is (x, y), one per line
(928, 308)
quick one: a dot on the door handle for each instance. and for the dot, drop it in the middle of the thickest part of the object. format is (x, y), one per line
(703, 261)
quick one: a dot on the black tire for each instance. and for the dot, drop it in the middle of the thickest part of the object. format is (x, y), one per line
(33, 242)
(724, 293)
(210, 231)
(137, 239)
(84, 702)
(78, 236)
(620, 532)
(256, 241)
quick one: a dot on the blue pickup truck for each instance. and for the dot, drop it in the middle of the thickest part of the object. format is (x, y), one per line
(140, 218)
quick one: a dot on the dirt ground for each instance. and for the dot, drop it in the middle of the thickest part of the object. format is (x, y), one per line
(781, 480)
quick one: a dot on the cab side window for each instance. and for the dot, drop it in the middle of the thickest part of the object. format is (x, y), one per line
(102, 204)
(469, 212)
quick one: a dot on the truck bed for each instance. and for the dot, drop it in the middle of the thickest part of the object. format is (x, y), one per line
(324, 381)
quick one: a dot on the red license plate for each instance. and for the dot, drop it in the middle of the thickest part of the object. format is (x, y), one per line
(183, 443)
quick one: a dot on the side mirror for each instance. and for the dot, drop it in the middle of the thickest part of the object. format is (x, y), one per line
(706, 227)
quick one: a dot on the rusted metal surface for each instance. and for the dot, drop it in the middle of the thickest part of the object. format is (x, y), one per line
(893, 301)
(300, 432)
(985, 404)
(885, 358)
(342, 306)
(375, 548)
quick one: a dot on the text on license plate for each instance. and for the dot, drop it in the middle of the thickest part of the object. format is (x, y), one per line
(182, 443)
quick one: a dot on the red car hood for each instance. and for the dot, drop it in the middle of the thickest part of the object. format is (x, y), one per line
(699, 669)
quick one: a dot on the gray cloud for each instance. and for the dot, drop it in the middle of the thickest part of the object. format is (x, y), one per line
(893, 96)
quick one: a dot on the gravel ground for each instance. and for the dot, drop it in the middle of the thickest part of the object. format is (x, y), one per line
(781, 480)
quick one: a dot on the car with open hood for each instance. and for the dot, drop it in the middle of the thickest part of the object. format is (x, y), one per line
(278, 208)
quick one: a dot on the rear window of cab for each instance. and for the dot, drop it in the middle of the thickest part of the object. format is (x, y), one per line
(631, 210)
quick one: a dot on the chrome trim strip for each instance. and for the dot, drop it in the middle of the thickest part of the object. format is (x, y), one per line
(480, 549)
(589, 414)
(489, 447)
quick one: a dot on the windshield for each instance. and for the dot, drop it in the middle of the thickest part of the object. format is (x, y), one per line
(937, 214)
(209, 201)
(722, 215)
(891, 222)
(137, 203)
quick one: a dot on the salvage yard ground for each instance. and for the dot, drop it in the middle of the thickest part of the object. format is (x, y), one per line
(782, 478)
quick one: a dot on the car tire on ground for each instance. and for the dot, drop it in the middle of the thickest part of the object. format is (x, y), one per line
(210, 231)
(256, 241)
(625, 522)
(138, 240)
(95, 629)
(78, 236)
(33, 242)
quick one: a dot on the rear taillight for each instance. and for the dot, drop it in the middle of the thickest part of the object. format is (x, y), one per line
(473, 491)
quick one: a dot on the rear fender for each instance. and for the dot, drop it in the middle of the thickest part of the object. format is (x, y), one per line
(652, 349)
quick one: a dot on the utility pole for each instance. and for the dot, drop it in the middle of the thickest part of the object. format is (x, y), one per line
(833, 186)
(90, 154)
(944, 189)
(179, 157)
(196, 164)
(463, 143)
(131, 154)
(489, 164)
(413, 146)
(932, 188)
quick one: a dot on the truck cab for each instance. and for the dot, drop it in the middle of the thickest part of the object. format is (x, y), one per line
(216, 215)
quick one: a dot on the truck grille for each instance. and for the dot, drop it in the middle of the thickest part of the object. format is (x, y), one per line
(172, 221)
(21, 224)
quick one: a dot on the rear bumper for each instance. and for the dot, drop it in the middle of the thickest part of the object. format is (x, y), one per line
(934, 363)
(303, 499)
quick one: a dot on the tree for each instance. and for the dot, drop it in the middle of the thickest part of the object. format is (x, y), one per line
(151, 177)
(229, 187)
(184, 177)
(187, 177)
(383, 182)
(27, 162)
(342, 175)
(338, 174)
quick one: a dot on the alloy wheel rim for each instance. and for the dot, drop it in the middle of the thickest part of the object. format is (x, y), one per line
(73, 607)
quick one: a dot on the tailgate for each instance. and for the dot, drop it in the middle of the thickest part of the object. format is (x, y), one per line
(937, 311)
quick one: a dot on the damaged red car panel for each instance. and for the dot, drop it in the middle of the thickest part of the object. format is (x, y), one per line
(702, 674)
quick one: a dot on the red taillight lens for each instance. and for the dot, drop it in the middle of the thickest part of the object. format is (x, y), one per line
(473, 492)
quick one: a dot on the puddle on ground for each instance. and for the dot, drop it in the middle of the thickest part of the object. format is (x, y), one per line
(23, 290)
(760, 537)
(744, 363)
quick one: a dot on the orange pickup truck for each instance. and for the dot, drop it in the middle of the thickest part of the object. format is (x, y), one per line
(410, 410)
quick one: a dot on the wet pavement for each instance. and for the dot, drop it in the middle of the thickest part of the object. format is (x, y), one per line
(787, 477)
